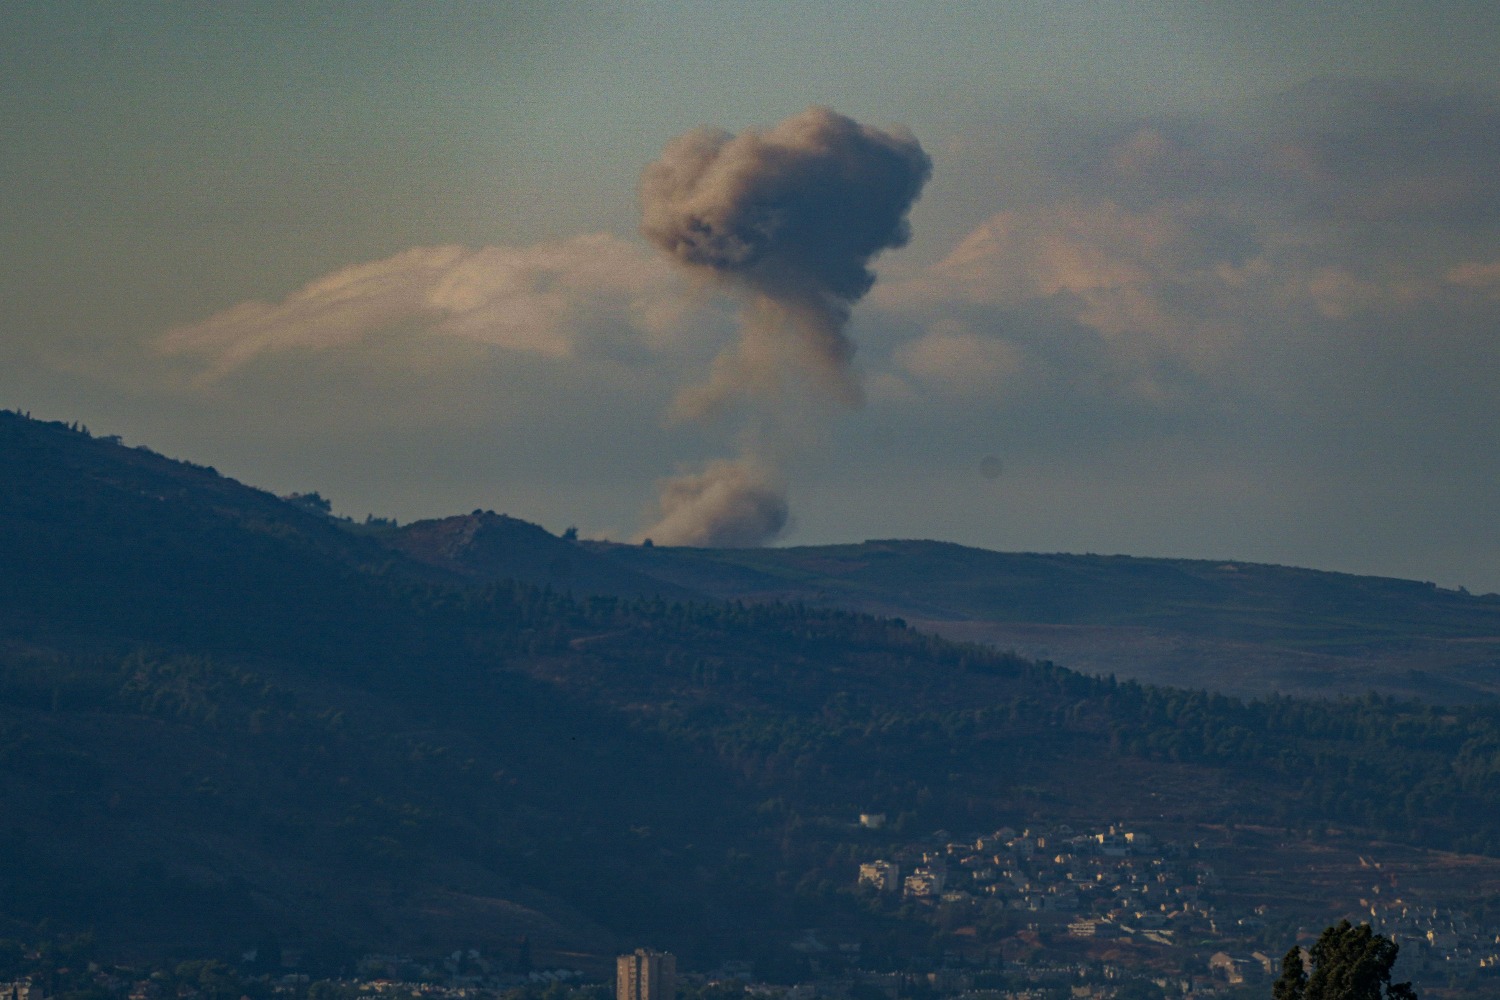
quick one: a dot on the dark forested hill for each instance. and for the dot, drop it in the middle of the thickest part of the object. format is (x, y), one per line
(100, 540)
(1238, 628)
(224, 714)
(227, 719)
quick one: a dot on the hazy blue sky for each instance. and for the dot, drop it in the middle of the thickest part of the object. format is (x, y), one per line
(1214, 280)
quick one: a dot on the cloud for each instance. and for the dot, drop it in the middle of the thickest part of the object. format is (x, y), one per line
(1340, 293)
(1387, 153)
(1480, 276)
(1082, 296)
(956, 359)
(1108, 262)
(1392, 155)
(546, 300)
(1186, 261)
(730, 504)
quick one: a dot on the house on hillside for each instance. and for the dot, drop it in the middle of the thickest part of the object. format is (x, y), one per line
(1234, 969)
(884, 876)
(925, 883)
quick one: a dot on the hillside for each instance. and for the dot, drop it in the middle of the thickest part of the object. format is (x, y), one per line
(486, 547)
(227, 715)
(1237, 628)
(228, 719)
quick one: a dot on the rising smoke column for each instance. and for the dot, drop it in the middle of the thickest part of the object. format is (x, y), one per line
(788, 219)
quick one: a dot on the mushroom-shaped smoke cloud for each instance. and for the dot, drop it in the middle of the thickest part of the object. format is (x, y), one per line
(790, 219)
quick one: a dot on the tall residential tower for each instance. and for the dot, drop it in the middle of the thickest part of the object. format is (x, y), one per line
(646, 975)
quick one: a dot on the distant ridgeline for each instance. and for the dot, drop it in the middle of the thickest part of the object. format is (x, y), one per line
(227, 718)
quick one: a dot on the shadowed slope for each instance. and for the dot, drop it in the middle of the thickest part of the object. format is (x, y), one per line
(1241, 628)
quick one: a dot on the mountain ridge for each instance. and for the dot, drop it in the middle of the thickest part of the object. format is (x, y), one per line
(1299, 631)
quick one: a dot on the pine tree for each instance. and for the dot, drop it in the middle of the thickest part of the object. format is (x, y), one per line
(1293, 982)
(1348, 963)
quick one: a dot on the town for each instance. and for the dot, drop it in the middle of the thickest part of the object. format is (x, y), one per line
(1088, 908)
(1054, 913)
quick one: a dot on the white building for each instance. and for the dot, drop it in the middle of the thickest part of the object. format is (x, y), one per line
(883, 875)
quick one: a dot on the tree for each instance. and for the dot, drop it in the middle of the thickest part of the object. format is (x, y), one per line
(1348, 963)
(1293, 982)
(310, 501)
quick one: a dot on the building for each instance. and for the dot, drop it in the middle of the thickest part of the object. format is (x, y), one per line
(646, 975)
(1088, 928)
(885, 876)
(1235, 969)
(925, 883)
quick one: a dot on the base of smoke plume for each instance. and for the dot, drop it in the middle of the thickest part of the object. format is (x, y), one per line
(730, 504)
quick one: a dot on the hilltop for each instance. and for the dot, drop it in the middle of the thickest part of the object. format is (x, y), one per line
(1239, 628)
(489, 547)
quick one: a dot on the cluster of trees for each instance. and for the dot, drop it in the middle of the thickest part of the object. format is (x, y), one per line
(1396, 768)
(1347, 963)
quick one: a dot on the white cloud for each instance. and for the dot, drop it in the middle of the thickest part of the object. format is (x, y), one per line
(955, 359)
(1481, 276)
(1145, 274)
(548, 300)
(1340, 293)
(1082, 295)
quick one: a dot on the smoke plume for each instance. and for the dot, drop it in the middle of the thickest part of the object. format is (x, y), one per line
(789, 220)
(729, 504)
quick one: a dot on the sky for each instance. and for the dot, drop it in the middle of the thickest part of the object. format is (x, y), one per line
(1216, 281)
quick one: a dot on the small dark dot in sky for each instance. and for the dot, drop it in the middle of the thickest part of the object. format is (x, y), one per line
(990, 467)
